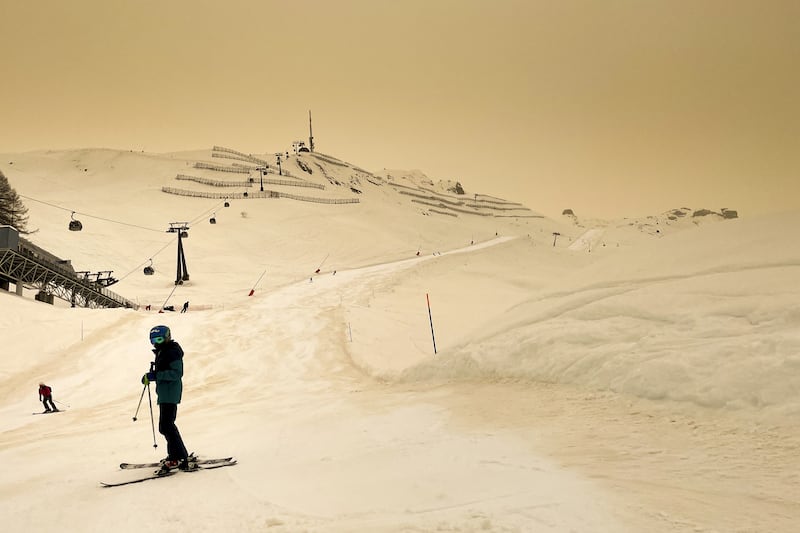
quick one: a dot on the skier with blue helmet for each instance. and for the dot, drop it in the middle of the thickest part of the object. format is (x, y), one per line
(167, 373)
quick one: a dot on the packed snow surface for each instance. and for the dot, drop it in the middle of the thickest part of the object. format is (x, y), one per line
(632, 375)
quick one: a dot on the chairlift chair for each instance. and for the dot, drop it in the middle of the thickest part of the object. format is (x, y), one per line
(227, 203)
(149, 270)
(184, 235)
(213, 219)
(75, 225)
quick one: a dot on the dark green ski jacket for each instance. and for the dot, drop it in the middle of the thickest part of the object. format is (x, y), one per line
(169, 371)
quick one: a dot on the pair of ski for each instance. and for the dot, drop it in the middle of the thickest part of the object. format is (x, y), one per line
(197, 464)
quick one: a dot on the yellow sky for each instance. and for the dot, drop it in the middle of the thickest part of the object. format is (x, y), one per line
(611, 108)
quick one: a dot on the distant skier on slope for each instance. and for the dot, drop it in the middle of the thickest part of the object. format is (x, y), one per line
(46, 397)
(167, 372)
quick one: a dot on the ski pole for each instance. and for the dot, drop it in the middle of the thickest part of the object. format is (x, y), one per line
(152, 424)
(140, 404)
(61, 403)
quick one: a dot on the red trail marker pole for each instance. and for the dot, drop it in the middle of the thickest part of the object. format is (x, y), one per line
(253, 290)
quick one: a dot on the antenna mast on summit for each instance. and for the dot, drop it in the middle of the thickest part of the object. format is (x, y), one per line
(310, 134)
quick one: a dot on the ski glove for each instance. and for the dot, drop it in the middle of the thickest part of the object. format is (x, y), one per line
(147, 378)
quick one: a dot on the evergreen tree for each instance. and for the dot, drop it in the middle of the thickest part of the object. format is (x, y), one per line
(12, 211)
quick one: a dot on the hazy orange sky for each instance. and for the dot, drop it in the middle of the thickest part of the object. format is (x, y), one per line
(610, 108)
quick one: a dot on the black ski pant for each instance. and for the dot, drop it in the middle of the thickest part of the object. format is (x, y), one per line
(51, 407)
(166, 426)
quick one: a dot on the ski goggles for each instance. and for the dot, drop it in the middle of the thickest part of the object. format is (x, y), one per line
(157, 340)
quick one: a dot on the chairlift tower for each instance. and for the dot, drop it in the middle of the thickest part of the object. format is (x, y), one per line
(263, 171)
(182, 229)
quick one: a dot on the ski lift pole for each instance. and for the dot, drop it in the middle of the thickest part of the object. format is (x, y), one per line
(430, 317)
(185, 276)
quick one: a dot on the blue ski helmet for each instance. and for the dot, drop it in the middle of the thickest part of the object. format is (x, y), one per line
(159, 335)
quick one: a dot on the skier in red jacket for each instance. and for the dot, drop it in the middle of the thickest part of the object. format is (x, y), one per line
(45, 396)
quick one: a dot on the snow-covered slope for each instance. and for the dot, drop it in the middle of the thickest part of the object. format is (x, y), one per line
(579, 379)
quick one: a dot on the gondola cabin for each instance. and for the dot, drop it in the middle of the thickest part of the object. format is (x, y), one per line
(75, 225)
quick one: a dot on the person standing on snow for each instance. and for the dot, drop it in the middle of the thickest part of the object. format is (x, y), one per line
(167, 373)
(46, 396)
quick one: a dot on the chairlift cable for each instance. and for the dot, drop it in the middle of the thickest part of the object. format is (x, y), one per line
(205, 213)
(73, 213)
(137, 267)
(88, 215)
